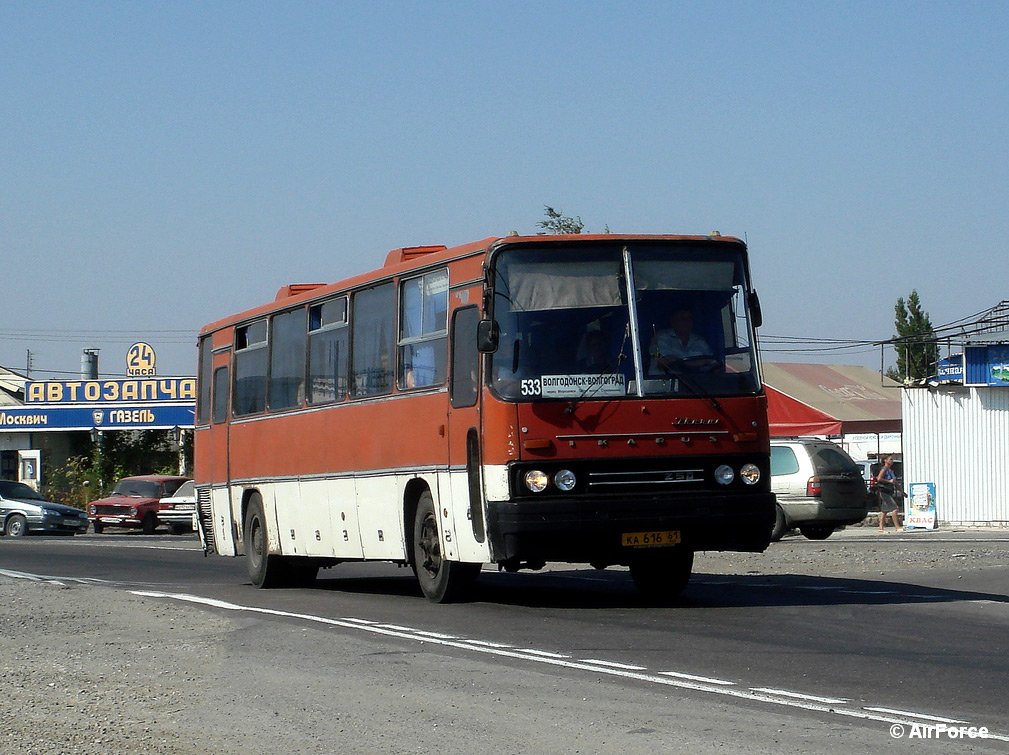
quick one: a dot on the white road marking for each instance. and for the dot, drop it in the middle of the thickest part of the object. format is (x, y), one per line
(793, 700)
(57, 580)
(706, 679)
(612, 664)
(923, 716)
(435, 635)
(666, 678)
(799, 695)
(541, 653)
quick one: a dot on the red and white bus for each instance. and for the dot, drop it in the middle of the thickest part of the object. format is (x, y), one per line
(514, 401)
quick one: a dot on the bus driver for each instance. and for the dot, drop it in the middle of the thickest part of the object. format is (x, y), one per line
(678, 347)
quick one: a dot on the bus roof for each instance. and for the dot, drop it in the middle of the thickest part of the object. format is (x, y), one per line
(408, 259)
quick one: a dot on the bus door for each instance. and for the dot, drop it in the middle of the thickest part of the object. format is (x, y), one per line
(464, 435)
(219, 475)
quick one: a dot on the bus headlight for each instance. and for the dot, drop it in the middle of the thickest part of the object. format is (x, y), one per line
(724, 474)
(536, 480)
(750, 474)
(565, 480)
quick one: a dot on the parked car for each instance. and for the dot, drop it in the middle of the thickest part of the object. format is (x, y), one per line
(179, 510)
(23, 510)
(818, 487)
(135, 502)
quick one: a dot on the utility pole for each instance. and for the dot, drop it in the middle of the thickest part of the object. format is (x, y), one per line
(28, 364)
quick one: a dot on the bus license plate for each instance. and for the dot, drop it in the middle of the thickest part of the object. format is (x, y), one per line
(651, 539)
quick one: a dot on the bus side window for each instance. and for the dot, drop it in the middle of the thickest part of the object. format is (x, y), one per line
(373, 339)
(327, 351)
(220, 395)
(423, 330)
(205, 370)
(250, 369)
(465, 357)
(286, 386)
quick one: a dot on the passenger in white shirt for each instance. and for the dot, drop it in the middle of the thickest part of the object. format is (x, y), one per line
(678, 347)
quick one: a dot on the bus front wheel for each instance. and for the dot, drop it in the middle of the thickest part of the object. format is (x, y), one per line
(441, 580)
(661, 574)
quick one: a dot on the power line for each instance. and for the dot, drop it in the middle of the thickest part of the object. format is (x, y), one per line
(98, 330)
(39, 336)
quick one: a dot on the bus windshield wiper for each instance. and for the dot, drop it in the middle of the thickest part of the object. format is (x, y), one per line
(607, 369)
(695, 388)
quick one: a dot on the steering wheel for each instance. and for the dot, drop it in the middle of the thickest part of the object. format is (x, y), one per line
(700, 363)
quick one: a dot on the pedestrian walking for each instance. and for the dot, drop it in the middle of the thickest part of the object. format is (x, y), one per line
(886, 489)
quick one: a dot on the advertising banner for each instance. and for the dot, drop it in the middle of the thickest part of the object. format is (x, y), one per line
(987, 365)
(921, 506)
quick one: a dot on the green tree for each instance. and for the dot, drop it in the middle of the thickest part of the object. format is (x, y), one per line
(558, 222)
(915, 341)
(95, 466)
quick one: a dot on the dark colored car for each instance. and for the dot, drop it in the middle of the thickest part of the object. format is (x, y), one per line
(817, 485)
(135, 502)
(23, 510)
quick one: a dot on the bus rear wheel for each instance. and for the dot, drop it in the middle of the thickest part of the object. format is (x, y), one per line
(661, 574)
(264, 569)
(441, 580)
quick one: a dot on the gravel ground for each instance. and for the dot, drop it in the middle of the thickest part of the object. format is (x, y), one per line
(91, 670)
(862, 551)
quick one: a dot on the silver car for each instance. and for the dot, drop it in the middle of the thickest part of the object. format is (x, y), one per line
(817, 485)
(23, 510)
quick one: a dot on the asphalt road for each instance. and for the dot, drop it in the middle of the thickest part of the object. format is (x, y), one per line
(857, 634)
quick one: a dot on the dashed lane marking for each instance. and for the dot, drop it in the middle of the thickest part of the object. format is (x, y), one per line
(786, 698)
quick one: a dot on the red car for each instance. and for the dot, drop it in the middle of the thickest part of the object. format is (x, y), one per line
(135, 502)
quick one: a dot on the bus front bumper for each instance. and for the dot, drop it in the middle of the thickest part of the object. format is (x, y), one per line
(585, 530)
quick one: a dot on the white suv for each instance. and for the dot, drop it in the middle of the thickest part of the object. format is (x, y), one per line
(818, 487)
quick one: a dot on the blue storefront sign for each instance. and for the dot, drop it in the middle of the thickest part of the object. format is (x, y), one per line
(950, 369)
(142, 401)
(103, 417)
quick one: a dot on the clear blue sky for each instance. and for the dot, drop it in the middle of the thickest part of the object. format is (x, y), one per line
(164, 164)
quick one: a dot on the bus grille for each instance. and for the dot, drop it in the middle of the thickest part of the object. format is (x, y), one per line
(206, 519)
(646, 481)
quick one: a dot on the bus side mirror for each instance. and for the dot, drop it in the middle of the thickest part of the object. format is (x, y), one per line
(756, 316)
(487, 336)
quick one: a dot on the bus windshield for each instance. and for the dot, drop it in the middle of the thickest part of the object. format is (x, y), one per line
(567, 330)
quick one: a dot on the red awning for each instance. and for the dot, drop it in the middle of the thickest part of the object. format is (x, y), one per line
(829, 399)
(789, 417)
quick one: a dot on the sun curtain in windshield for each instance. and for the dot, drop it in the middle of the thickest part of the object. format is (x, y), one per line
(9, 489)
(142, 488)
(567, 330)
